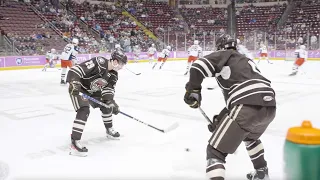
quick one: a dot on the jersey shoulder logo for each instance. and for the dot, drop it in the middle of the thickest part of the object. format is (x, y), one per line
(101, 60)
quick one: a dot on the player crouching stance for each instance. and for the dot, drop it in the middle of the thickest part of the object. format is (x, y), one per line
(301, 55)
(96, 77)
(163, 57)
(250, 107)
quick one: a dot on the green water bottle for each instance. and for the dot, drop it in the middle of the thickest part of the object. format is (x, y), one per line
(302, 153)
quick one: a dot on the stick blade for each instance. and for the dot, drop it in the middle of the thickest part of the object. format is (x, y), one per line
(138, 74)
(172, 127)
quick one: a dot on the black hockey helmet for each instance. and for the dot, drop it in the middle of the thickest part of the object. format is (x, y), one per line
(119, 56)
(225, 41)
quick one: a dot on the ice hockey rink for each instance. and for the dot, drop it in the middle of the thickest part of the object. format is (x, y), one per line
(36, 117)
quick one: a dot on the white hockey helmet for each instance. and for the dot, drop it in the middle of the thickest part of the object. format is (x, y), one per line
(53, 51)
(303, 47)
(196, 42)
(169, 48)
(152, 45)
(75, 41)
(238, 41)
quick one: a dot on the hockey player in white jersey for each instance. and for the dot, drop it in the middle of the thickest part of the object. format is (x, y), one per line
(301, 57)
(243, 50)
(163, 56)
(136, 53)
(264, 53)
(51, 56)
(194, 51)
(151, 52)
(68, 58)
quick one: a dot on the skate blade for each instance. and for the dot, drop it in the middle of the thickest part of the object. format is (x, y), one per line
(77, 153)
(112, 138)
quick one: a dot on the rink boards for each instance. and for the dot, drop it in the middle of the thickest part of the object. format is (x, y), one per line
(32, 62)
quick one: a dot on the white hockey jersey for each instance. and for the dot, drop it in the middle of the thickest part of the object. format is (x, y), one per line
(243, 50)
(195, 50)
(69, 52)
(50, 56)
(152, 50)
(165, 53)
(301, 53)
(263, 49)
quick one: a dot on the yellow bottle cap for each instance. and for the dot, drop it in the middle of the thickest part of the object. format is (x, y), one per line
(305, 134)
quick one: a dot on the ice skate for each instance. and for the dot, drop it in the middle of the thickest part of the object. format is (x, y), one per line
(77, 149)
(259, 174)
(293, 73)
(112, 134)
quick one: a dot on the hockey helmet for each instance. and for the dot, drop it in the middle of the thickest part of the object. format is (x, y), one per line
(152, 45)
(196, 42)
(238, 41)
(53, 51)
(120, 57)
(225, 41)
(303, 47)
(75, 41)
(169, 48)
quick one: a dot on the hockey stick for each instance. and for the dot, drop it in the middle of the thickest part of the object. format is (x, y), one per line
(133, 72)
(205, 115)
(170, 128)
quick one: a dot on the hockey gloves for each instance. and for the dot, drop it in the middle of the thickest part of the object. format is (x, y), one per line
(74, 88)
(217, 118)
(114, 106)
(214, 124)
(192, 97)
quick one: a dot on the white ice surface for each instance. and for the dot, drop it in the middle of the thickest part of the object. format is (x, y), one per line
(36, 117)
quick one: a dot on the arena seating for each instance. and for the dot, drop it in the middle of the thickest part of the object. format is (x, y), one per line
(21, 27)
(258, 17)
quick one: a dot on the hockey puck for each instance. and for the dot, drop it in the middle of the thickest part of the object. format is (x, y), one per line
(187, 149)
(210, 88)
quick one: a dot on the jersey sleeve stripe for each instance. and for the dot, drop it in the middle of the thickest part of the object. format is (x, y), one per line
(81, 70)
(204, 65)
(76, 72)
(208, 62)
(193, 67)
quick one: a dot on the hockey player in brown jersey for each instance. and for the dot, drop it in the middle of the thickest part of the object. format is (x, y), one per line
(250, 107)
(96, 77)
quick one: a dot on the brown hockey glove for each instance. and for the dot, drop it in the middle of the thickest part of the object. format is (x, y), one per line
(114, 106)
(74, 88)
(192, 97)
(214, 124)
